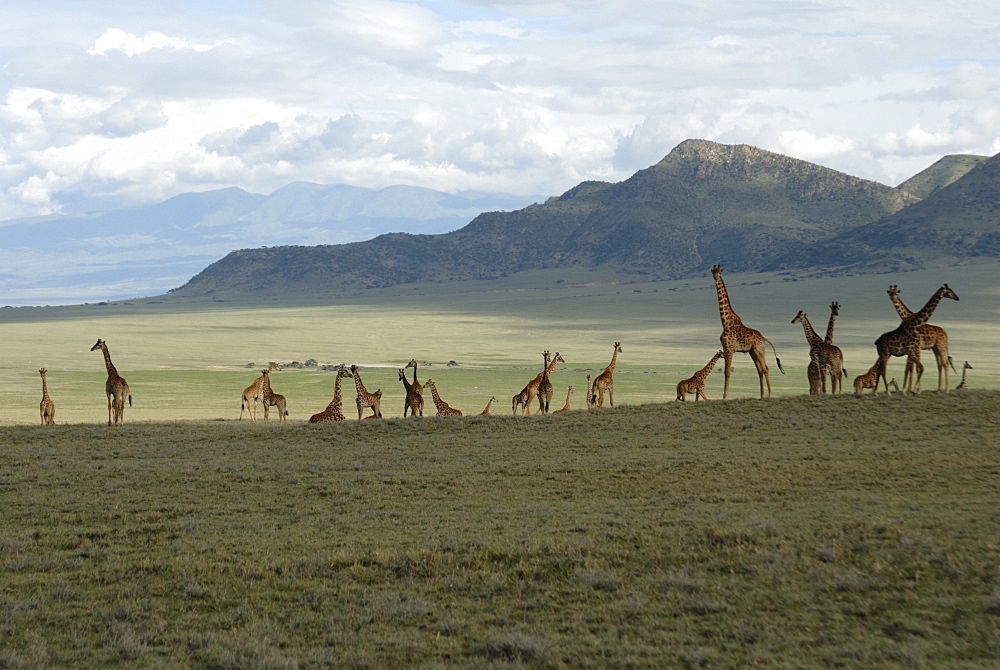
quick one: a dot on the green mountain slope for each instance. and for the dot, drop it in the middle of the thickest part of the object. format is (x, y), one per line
(943, 172)
(703, 203)
(955, 224)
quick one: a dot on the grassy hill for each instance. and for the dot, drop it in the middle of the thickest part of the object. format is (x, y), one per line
(942, 173)
(703, 203)
(957, 223)
(836, 532)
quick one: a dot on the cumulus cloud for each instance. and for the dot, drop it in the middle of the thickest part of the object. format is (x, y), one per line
(519, 96)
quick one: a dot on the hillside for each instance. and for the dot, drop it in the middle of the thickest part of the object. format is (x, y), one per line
(942, 173)
(703, 203)
(150, 249)
(954, 224)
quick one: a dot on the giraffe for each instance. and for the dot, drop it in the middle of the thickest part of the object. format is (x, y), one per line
(817, 377)
(931, 337)
(414, 402)
(334, 411)
(366, 399)
(566, 407)
(545, 388)
(269, 398)
(443, 409)
(488, 406)
(47, 408)
(590, 393)
(417, 386)
(116, 388)
(828, 356)
(962, 385)
(528, 393)
(252, 394)
(869, 380)
(739, 338)
(905, 340)
(605, 381)
(696, 384)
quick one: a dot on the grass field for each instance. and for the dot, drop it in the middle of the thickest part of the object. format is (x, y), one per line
(797, 532)
(187, 358)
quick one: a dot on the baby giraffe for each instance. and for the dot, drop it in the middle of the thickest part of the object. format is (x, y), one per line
(443, 408)
(47, 408)
(696, 384)
(869, 380)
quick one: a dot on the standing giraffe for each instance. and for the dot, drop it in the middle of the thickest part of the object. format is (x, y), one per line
(334, 411)
(366, 399)
(590, 393)
(269, 398)
(605, 381)
(905, 341)
(931, 337)
(962, 385)
(253, 393)
(739, 338)
(417, 386)
(443, 409)
(47, 408)
(414, 403)
(696, 384)
(116, 388)
(566, 407)
(488, 406)
(528, 393)
(829, 357)
(816, 374)
(545, 388)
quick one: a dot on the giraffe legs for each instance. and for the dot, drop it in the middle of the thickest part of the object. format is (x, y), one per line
(728, 370)
(757, 355)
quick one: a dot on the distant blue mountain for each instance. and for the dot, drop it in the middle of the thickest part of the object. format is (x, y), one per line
(148, 250)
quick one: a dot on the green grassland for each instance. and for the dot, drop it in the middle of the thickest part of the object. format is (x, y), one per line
(187, 358)
(799, 532)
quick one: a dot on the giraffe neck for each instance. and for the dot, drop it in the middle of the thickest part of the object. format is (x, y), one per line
(112, 372)
(614, 359)
(901, 309)
(707, 370)
(437, 399)
(726, 312)
(406, 384)
(811, 335)
(336, 393)
(359, 385)
(415, 382)
(265, 385)
(924, 315)
(829, 328)
(45, 388)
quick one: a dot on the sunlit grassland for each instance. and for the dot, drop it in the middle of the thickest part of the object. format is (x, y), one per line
(797, 532)
(188, 358)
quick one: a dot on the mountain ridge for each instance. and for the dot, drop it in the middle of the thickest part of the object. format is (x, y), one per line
(703, 203)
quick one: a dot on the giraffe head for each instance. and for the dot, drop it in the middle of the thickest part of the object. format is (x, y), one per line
(42, 371)
(402, 374)
(618, 347)
(893, 290)
(835, 309)
(966, 366)
(273, 367)
(100, 343)
(799, 317)
(719, 354)
(411, 364)
(946, 292)
(716, 272)
(344, 372)
(558, 359)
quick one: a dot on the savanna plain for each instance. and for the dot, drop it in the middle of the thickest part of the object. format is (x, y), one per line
(793, 532)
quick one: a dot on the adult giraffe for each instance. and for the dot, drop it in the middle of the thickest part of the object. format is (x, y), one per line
(116, 388)
(739, 338)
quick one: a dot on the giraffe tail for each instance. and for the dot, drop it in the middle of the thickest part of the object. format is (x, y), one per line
(952, 365)
(129, 399)
(776, 359)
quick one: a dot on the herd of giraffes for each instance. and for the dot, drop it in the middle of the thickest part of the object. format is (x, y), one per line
(913, 334)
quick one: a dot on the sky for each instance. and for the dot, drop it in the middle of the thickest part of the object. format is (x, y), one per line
(105, 104)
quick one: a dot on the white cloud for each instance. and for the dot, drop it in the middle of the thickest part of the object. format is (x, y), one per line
(518, 96)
